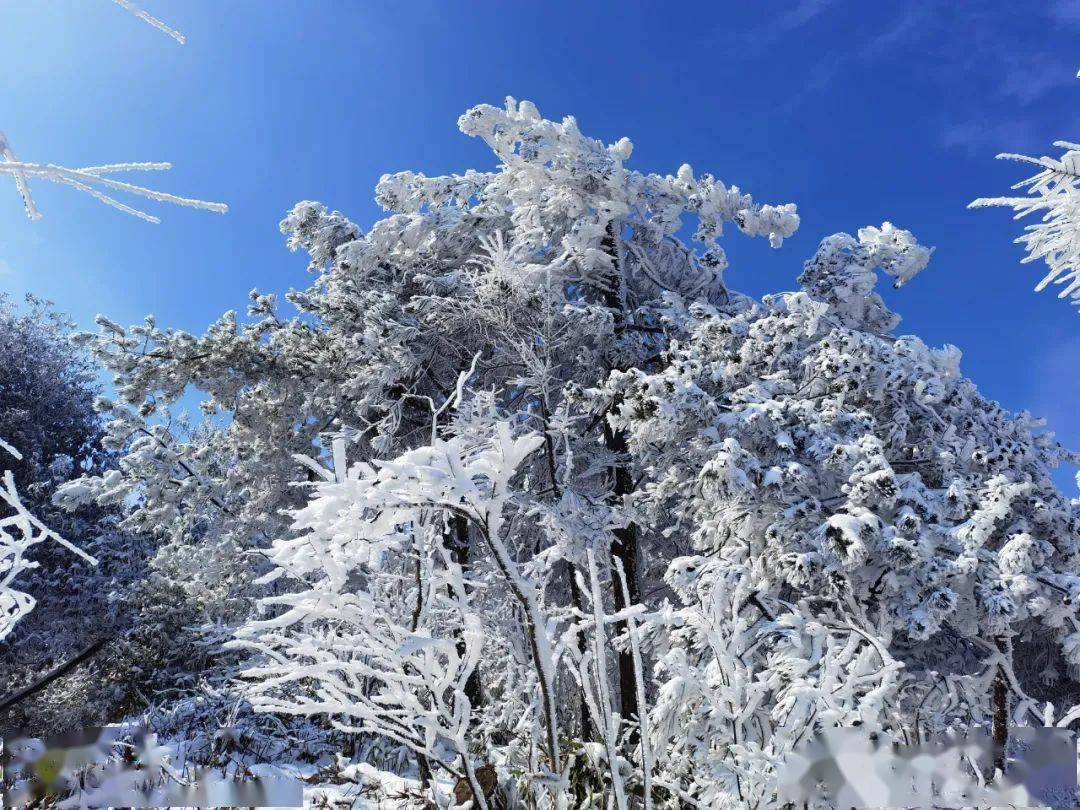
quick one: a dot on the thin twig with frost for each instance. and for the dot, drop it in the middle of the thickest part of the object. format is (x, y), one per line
(20, 179)
(89, 178)
(154, 21)
(1054, 192)
(20, 531)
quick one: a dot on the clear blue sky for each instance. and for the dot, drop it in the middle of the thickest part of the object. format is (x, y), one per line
(858, 112)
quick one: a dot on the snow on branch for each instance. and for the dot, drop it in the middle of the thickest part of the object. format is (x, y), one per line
(1054, 192)
(91, 180)
(154, 21)
(19, 531)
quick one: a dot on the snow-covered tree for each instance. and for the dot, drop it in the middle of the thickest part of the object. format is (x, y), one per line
(20, 531)
(875, 543)
(605, 527)
(46, 395)
(47, 389)
(47, 422)
(562, 243)
(1054, 194)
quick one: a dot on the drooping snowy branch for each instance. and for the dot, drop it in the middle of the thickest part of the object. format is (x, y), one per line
(19, 532)
(413, 656)
(1054, 192)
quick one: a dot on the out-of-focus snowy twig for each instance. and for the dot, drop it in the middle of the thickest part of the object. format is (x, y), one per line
(154, 21)
(1054, 194)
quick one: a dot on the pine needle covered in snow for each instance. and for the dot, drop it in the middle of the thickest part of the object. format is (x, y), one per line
(1054, 192)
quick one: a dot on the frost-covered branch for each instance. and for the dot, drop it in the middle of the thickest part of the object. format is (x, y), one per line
(19, 532)
(147, 18)
(407, 679)
(1054, 192)
(91, 180)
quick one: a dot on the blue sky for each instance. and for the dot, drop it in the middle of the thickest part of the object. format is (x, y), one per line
(858, 112)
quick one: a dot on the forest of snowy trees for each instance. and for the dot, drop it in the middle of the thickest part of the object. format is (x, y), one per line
(518, 504)
(524, 500)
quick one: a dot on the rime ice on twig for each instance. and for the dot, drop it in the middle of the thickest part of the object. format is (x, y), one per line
(19, 531)
(20, 179)
(1053, 192)
(87, 178)
(154, 21)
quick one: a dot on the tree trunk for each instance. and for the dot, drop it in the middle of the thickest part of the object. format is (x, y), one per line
(423, 768)
(588, 728)
(624, 546)
(459, 549)
(1001, 720)
(48, 678)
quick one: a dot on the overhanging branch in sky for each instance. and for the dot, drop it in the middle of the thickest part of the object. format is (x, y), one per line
(95, 180)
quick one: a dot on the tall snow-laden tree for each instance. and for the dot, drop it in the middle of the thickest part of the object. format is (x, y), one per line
(733, 518)
(875, 543)
(1053, 193)
(547, 272)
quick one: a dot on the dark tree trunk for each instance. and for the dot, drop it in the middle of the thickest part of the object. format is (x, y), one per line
(423, 769)
(1001, 722)
(49, 677)
(459, 549)
(624, 546)
(1001, 715)
(588, 729)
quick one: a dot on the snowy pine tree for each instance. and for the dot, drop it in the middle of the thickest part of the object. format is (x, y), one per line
(873, 540)
(528, 490)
